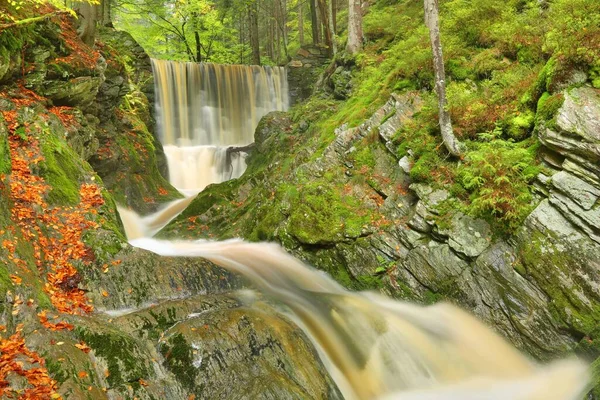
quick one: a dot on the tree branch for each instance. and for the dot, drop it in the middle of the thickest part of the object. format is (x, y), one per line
(33, 20)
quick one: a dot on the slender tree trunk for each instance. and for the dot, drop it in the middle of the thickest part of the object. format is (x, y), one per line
(198, 46)
(433, 24)
(327, 25)
(331, 23)
(253, 30)
(300, 23)
(334, 15)
(314, 21)
(355, 33)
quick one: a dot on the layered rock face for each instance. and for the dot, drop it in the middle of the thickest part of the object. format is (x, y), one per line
(359, 217)
(98, 318)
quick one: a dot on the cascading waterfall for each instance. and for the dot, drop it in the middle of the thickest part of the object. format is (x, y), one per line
(376, 348)
(203, 110)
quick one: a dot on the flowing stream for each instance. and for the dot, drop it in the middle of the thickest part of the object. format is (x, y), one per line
(374, 347)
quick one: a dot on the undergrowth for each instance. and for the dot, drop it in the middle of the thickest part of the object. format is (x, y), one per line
(506, 63)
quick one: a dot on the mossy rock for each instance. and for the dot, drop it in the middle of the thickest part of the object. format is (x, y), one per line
(262, 352)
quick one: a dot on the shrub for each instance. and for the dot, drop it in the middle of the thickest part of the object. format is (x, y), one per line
(497, 176)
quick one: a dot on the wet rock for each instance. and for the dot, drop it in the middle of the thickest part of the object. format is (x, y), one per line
(582, 193)
(468, 236)
(578, 126)
(246, 353)
(588, 220)
(517, 307)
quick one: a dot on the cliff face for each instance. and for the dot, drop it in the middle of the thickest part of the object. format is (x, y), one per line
(84, 315)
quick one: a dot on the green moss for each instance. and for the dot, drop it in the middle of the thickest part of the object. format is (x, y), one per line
(364, 157)
(60, 171)
(120, 352)
(5, 282)
(55, 370)
(323, 216)
(548, 106)
(179, 359)
(5, 160)
(521, 125)
(546, 264)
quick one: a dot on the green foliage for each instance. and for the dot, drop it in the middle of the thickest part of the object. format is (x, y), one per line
(26, 11)
(497, 176)
(323, 216)
(548, 106)
(168, 29)
(575, 34)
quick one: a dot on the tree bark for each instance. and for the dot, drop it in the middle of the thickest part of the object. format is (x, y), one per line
(87, 23)
(355, 32)
(300, 23)
(104, 9)
(314, 21)
(198, 46)
(433, 24)
(334, 15)
(253, 31)
(327, 25)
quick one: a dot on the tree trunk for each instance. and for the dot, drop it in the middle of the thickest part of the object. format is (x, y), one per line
(104, 13)
(314, 21)
(331, 24)
(433, 24)
(253, 30)
(300, 23)
(327, 25)
(334, 15)
(87, 23)
(198, 46)
(355, 33)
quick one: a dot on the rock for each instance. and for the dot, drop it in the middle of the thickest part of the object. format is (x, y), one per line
(563, 262)
(587, 174)
(469, 236)
(420, 219)
(263, 354)
(303, 53)
(584, 194)
(578, 125)
(587, 220)
(397, 111)
(580, 113)
(295, 64)
(405, 164)
(513, 302)
(340, 83)
(79, 91)
(435, 266)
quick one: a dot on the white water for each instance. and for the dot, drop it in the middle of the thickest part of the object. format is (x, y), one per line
(217, 164)
(203, 109)
(379, 348)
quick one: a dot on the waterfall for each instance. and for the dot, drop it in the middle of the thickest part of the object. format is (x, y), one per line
(374, 347)
(377, 348)
(203, 110)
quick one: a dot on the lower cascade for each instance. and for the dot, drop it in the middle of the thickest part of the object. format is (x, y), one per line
(377, 348)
